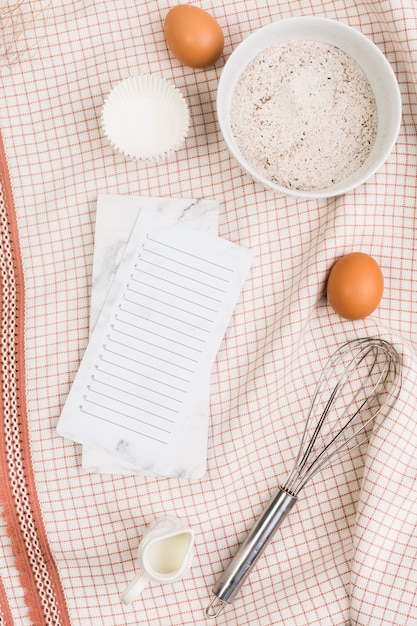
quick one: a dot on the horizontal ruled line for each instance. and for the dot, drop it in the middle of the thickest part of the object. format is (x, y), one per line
(135, 419)
(153, 345)
(142, 375)
(196, 269)
(132, 406)
(177, 285)
(150, 332)
(151, 355)
(158, 393)
(132, 430)
(194, 256)
(171, 317)
(156, 369)
(165, 326)
(165, 303)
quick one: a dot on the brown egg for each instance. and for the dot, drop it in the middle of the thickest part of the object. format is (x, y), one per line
(193, 36)
(355, 286)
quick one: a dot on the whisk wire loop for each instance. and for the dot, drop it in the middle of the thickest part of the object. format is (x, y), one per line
(374, 387)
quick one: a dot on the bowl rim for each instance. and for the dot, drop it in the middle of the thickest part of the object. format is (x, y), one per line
(317, 28)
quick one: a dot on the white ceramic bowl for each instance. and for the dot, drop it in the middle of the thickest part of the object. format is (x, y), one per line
(367, 55)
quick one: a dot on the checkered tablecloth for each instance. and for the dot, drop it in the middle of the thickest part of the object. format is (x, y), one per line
(347, 554)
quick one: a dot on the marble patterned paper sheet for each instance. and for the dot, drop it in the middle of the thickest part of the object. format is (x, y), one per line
(137, 391)
(347, 553)
(115, 218)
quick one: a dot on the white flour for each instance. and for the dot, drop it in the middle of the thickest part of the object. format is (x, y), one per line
(304, 115)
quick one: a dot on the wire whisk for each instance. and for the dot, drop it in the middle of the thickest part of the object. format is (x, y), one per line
(355, 392)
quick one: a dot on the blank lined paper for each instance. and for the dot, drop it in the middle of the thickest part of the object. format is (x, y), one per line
(155, 341)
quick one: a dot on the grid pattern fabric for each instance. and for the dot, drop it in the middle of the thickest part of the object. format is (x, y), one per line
(347, 554)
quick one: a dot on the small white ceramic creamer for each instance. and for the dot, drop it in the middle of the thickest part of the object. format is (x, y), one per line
(164, 555)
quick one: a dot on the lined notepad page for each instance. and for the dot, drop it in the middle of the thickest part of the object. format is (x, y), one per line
(155, 341)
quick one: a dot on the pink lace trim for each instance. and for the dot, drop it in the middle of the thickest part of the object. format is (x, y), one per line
(5, 615)
(38, 574)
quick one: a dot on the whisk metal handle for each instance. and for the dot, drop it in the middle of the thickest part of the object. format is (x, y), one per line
(239, 568)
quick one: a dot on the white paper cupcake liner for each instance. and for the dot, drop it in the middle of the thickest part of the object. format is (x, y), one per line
(145, 117)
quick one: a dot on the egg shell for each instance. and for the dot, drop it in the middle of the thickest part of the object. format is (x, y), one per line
(355, 286)
(193, 36)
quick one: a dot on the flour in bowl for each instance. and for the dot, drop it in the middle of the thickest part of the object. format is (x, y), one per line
(303, 115)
